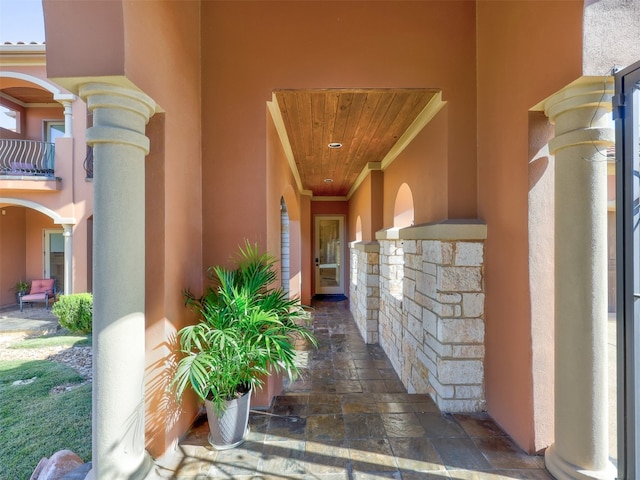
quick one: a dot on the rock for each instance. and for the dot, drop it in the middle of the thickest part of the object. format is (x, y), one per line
(60, 463)
(36, 473)
(79, 473)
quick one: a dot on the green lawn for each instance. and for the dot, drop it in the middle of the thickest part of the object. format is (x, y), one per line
(35, 423)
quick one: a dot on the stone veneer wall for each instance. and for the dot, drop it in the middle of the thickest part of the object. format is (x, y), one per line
(364, 289)
(433, 333)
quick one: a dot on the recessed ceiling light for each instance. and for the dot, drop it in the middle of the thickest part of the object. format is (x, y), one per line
(328, 180)
(335, 145)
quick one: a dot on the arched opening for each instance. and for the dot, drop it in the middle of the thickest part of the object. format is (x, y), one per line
(403, 211)
(403, 215)
(34, 246)
(358, 229)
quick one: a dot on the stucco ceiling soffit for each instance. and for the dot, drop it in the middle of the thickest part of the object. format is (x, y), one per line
(332, 135)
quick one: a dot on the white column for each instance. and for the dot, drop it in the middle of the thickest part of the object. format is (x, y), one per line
(120, 146)
(68, 258)
(66, 100)
(581, 114)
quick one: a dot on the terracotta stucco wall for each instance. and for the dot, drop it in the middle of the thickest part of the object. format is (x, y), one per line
(424, 167)
(162, 58)
(526, 51)
(13, 242)
(35, 224)
(251, 48)
(74, 39)
(281, 185)
(360, 207)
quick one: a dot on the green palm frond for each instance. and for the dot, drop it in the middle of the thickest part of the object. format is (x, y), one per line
(246, 327)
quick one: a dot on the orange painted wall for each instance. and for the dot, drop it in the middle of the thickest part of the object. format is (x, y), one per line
(247, 52)
(360, 206)
(83, 47)
(35, 224)
(423, 165)
(163, 59)
(12, 252)
(281, 184)
(367, 203)
(526, 51)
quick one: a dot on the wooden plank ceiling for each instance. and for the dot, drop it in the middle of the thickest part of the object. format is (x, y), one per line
(28, 95)
(367, 122)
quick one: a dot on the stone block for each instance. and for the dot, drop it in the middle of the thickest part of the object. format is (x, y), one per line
(449, 297)
(429, 322)
(456, 330)
(415, 328)
(429, 364)
(460, 372)
(469, 392)
(468, 254)
(408, 288)
(413, 261)
(429, 268)
(459, 279)
(442, 390)
(467, 351)
(460, 406)
(418, 382)
(412, 308)
(410, 273)
(472, 304)
(409, 246)
(441, 350)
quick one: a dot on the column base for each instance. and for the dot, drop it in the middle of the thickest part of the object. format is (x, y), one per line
(141, 473)
(563, 470)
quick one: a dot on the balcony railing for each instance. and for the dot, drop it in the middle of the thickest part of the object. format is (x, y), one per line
(88, 163)
(27, 158)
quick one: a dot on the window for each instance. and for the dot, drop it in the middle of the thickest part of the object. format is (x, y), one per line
(9, 119)
(53, 129)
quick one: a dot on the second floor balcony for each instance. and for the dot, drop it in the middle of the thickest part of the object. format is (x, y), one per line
(27, 165)
(27, 158)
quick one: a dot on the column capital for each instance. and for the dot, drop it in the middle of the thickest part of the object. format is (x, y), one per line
(120, 114)
(579, 113)
(586, 92)
(106, 95)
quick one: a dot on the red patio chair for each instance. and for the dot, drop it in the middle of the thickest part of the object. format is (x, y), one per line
(41, 291)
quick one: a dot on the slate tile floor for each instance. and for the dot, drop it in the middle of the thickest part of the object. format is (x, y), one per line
(350, 418)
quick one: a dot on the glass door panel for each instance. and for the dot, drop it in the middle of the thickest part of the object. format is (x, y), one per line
(54, 256)
(328, 255)
(627, 113)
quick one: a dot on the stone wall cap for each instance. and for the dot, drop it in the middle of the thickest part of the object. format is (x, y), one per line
(457, 229)
(388, 234)
(371, 247)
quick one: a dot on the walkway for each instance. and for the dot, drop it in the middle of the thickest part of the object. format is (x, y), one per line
(351, 418)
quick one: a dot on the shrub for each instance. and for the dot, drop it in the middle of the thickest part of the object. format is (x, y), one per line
(75, 312)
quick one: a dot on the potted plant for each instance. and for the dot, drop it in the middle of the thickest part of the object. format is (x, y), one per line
(21, 288)
(247, 328)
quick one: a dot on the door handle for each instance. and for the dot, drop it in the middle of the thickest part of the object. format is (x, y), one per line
(317, 263)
